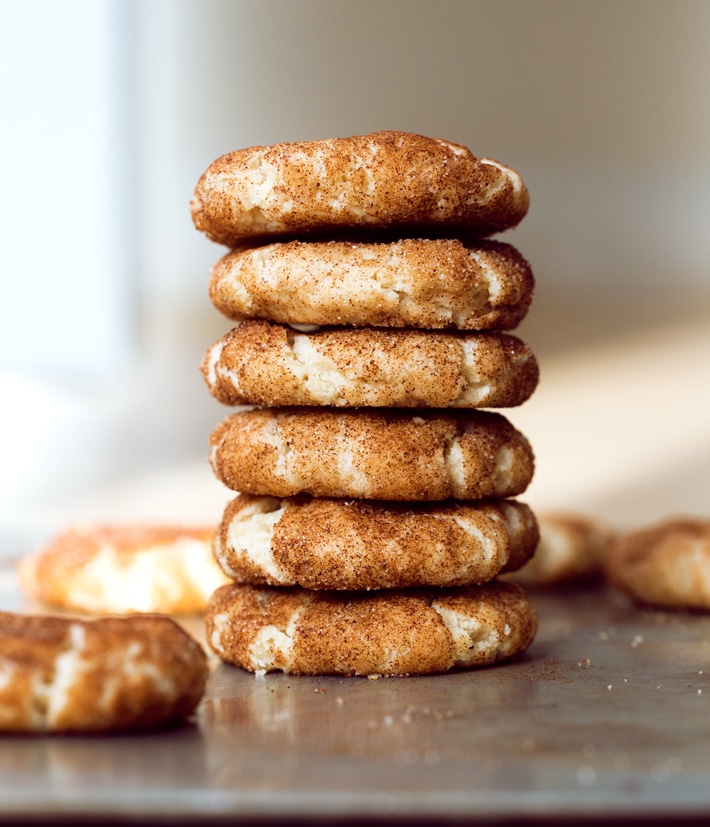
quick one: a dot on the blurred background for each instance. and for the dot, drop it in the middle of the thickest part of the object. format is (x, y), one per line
(112, 109)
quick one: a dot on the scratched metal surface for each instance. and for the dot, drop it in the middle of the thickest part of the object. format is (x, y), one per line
(606, 715)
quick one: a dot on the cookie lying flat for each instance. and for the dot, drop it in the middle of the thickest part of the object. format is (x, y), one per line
(64, 675)
(570, 550)
(356, 544)
(119, 569)
(259, 363)
(405, 632)
(665, 565)
(422, 283)
(392, 180)
(371, 453)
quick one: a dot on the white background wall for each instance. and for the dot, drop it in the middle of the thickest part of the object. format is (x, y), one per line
(111, 109)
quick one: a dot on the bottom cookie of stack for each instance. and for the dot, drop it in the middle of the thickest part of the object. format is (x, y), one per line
(326, 586)
(401, 632)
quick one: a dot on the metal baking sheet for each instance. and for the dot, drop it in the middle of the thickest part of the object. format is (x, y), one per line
(606, 716)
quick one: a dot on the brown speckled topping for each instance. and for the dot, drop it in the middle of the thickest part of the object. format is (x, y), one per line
(70, 675)
(356, 544)
(385, 180)
(371, 453)
(416, 282)
(377, 633)
(260, 363)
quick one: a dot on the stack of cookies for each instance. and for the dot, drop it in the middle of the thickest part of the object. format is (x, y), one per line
(375, 504)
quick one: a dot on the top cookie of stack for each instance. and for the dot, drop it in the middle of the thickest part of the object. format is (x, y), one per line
(408, 184)
(364, 286)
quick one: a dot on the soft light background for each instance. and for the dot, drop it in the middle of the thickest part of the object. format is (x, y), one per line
(111, 109)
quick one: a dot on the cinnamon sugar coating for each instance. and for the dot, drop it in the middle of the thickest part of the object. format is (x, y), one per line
(124, 568)
(571, 550)
(666, 564)
(260, 363)
(408, 632)
(371, 453)
(357, 544)
(385, 180)
(67, 675)
(414, 282)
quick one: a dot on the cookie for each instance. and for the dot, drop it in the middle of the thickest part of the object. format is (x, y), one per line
(357, 544)
(404, 632)
(570, 550)
(434, 284)
(371, 453)
(66, 675)
(260, 363)
(119, 569)
(386, 180)
(665, 565)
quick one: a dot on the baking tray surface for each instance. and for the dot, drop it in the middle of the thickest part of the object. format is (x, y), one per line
(606, 715)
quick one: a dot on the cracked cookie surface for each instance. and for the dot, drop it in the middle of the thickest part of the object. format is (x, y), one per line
(385, 180)
(124, 568)
(261, 363)
(424, 283)
(60, 674)
(371, 453)
(356, 544)
(408, 632)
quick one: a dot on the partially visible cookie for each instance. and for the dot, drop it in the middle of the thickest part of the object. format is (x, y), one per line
(357, 544)
(390, 180)
(119, 569)
(666, 564)
(570, 550)
(66, 675)
(371, 453)
(404, 632)
(426, 283)
(260, 363)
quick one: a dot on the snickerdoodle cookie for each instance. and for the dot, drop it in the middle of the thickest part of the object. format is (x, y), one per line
(124, 568)
(414, 282)
(666, 564)
(412, 631)
(371, 453)
(60, 674)
(571, 548)
(260, 363)
(363, 544)
(385, 180)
